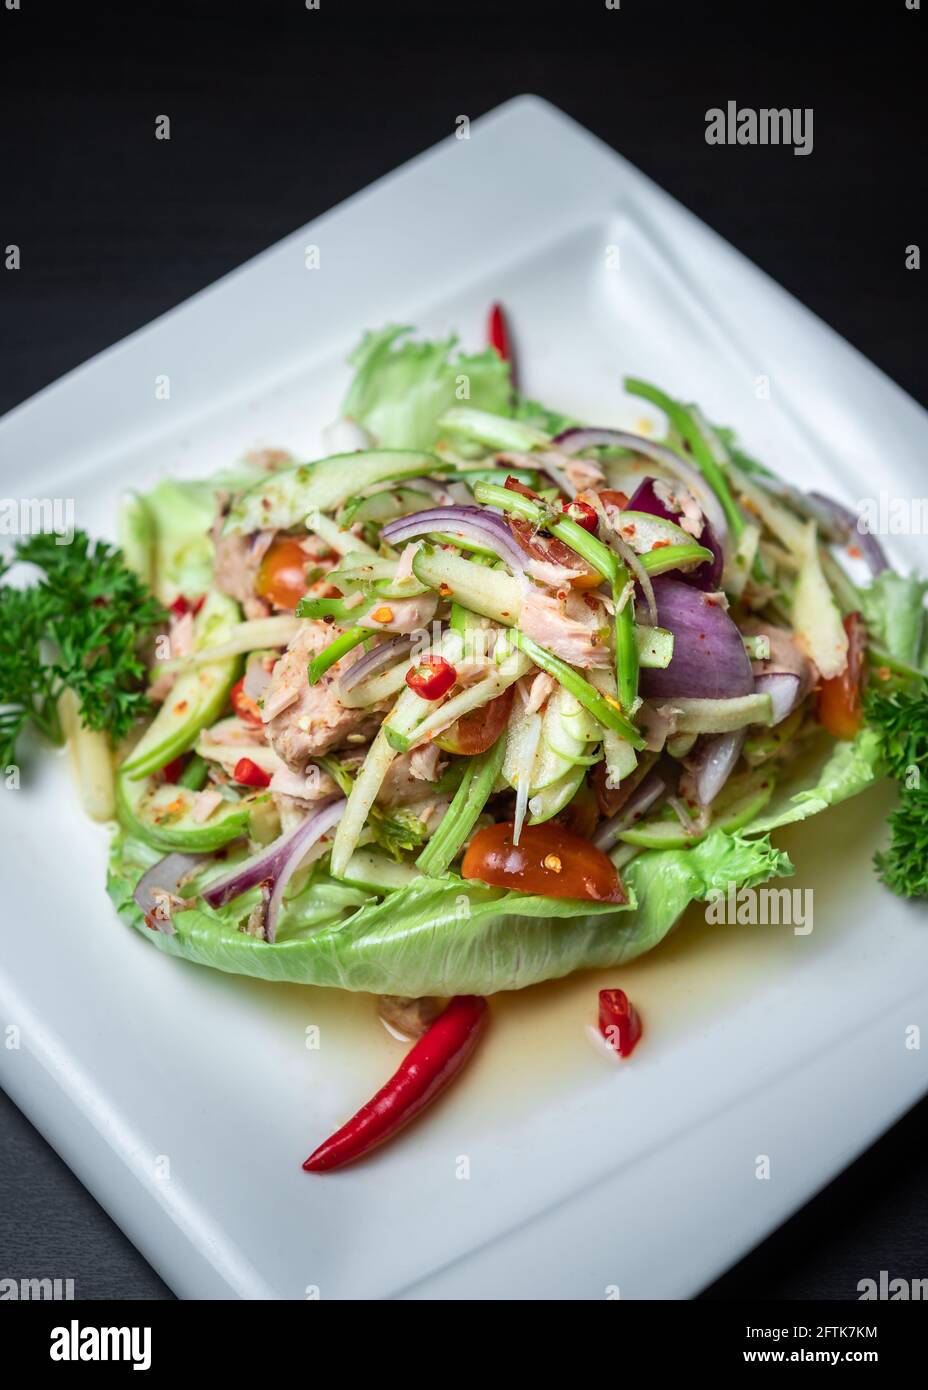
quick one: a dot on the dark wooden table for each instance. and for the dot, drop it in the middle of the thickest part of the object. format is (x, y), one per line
(278, 112)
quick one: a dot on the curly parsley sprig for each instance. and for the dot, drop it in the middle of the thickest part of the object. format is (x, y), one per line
(82, 626)
(901, 719)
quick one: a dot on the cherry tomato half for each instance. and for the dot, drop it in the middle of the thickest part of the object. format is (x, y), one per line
(432, 678)
(839, 702)
(282, 576)
(548, 860)
(249, 774)
(476, 732)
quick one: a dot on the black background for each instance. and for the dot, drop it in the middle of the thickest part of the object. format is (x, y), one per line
(277, 114)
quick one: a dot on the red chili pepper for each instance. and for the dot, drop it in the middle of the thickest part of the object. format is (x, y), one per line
(432, 678)
(249, 774)
(172, 770)
(245, 707)
(498, 332)
(582, 513)
(427, 1069)
(619, 1021)
(182, 605)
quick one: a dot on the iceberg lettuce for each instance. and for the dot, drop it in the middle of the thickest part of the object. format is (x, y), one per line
(450, 935)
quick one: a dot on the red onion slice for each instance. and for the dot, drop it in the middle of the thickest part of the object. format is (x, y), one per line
(480, 524)
(783, 688)
(275, 865)
(849, 525)
(375, 660)
(163, 881)
(709, 660)
(574, 441)
(707, 576)
(642, 799)
(711, 765)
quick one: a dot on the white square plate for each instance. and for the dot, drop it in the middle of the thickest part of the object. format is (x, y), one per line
(185, 1099)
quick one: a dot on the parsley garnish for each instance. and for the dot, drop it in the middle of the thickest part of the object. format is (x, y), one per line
(82, 626)
(900, 718)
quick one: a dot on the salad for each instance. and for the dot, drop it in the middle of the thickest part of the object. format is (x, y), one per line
(482, 697)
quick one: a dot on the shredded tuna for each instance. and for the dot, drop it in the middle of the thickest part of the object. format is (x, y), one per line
(205, 803)
(423, 762)
(570, 628)
(311, 785)
(404, 567)
(678, 499)
(540, 688)
(304, 720)
(785, 655)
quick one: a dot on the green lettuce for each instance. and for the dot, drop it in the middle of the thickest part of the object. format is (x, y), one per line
(826, 774)
(450, 935)
(400, 388)
(894, 609)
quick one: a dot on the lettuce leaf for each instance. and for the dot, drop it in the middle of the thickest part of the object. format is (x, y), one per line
(825, 775)
(450, 936)
(894, 609)
(401, 388)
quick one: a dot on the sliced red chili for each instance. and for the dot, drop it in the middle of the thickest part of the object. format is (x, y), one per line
(182, 605)
(172, 770)
(245, 707)
(426, 1070)
(249, 774)
(432, 678)
(619, 1021)
(498, 333)
(582, 513)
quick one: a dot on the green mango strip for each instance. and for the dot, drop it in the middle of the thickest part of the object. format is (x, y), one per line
(684, 424)
(600, 706)
(602, 559)
(469, 800)
(345, 642)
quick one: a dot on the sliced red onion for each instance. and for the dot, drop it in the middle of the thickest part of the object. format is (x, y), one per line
(375, 660)
(711, 764)
(574, 441)
(849, 525)
(707, 576)
(709, 660)
(783, 688)
(480, 524)
(642, 799)
(275, 865)
(161, 880)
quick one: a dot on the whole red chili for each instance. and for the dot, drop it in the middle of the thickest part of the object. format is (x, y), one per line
(432, 678)
(249, 774)
(427, 1069)
(619, 1021)
(582, 513)
(245, 707)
